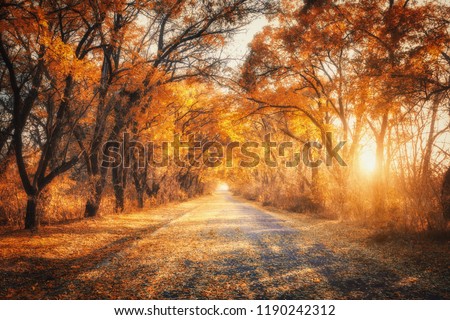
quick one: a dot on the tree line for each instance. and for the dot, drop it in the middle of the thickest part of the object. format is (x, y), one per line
(374, 74)
(76, 75)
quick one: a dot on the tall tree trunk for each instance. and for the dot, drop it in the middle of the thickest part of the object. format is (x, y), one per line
(98, 170)
(379, 190)
(119, 175)
(140, 196)
(425, 172)
(445, 195)
(140, 183)
(379, 183)
(91, 208)
(120, 198)
(93, 202)
(31, 217)
(315, 187)
(118, 190)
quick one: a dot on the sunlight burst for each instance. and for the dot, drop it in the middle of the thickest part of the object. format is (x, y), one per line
(367, 161)
(222, 187)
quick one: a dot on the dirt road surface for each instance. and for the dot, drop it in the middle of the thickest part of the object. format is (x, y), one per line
(218, 247)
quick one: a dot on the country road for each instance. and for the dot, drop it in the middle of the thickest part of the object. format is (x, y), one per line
(221, 247)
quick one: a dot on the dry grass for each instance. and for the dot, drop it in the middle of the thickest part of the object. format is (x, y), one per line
(35, 260)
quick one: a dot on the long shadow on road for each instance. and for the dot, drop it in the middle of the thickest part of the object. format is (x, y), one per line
(221, 249)
(281, 269)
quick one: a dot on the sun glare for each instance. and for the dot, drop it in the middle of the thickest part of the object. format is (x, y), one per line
(367, 161)
(222, 187)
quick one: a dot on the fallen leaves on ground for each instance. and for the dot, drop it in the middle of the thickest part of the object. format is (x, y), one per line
(217, 247)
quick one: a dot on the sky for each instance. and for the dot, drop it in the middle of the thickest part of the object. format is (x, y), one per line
(238, 47)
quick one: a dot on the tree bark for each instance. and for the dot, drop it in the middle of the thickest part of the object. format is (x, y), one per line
(31, 217)
(140, 196)
(91, 208)
(93, 202)
(445, 195)
(139, 184)
(379, 203)
(429, 147)
(119, 196)
(99, 170)
(119, 175)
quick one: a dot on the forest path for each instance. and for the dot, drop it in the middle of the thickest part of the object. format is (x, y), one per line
(221, 247)
(228, 248)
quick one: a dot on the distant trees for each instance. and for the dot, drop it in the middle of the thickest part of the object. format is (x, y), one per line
(180, 41)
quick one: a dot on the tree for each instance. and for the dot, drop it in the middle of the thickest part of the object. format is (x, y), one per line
(446, 195)
(43, 55)
(181, 40)
(362, 70)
